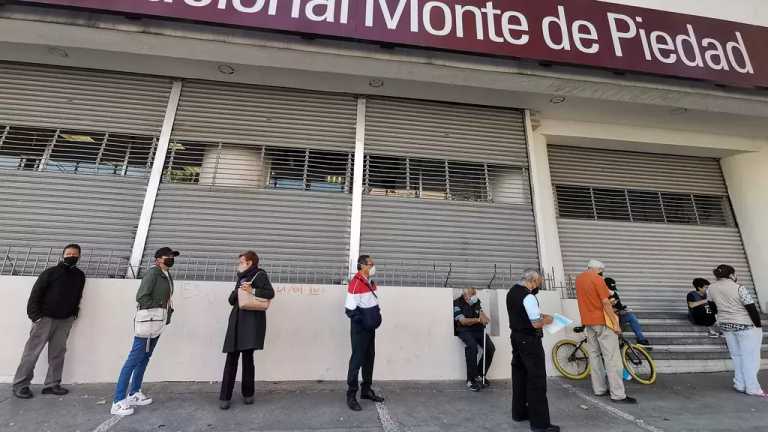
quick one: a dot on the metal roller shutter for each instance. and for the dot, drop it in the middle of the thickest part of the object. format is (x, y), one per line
(259, 168)
(446, 187)
(75, 149)
(657, 221)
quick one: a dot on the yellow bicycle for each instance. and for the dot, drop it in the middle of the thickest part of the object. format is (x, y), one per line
(572, 361)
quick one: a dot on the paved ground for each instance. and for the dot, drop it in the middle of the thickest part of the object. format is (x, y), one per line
(701, 402)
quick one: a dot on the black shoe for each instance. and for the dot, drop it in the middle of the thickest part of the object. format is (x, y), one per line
(626, 400)
(55, 390)
(485, 382)
(248, 400)
(23, 393)
(224, 405)
(550, 428)
(644, 343)
(370, 395)
(521, 418)
(353, 404)
(475, 386)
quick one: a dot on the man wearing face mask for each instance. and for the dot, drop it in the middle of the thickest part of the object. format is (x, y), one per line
(362, 308)
(53, 305)
(469, 325)
(155, 292)
(529, 373)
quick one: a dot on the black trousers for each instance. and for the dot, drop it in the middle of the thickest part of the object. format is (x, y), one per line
(473, 341)
(529, 380)
(230, 373)
(363, 356)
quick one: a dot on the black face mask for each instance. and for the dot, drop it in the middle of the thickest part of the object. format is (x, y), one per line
(601, 274)
(168, 262)
(535, 291)
(71, 261)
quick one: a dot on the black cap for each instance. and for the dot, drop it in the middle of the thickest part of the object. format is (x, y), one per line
(166, 251)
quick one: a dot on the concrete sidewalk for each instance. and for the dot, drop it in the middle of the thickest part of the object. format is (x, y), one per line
(697, 402)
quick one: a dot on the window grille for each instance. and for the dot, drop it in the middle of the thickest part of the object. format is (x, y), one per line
(585, 202)
(76, 151)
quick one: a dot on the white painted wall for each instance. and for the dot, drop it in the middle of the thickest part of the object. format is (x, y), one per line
(307, 337)
(747, 178)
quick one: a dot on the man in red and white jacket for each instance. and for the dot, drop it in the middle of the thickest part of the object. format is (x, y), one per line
(362, 308)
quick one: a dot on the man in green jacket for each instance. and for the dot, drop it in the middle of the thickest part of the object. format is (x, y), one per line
(155, 292)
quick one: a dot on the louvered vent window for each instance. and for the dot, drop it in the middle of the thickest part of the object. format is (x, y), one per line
(227, 165)
(584, 202)
(405, 177)
(76, 152)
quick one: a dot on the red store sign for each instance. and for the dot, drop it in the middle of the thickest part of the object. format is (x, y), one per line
(579, 32)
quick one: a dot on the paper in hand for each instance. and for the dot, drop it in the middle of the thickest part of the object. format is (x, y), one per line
(559, 322)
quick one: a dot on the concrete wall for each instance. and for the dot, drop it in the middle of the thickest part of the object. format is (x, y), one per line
(307, 337)
(747, 178)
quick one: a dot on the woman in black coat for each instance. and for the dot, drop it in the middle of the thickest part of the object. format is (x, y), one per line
(246, 329)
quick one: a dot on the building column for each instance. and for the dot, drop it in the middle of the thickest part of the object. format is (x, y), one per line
(550, 255)
(747, 179)
(142, 230)
(357, 188)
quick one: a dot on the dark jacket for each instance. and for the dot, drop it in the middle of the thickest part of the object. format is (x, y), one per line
(462, 309)
(246, 329)
(56, 293)
(518, 317)
(155, 290)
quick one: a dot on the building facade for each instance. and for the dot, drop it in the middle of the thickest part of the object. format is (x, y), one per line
(126, 131)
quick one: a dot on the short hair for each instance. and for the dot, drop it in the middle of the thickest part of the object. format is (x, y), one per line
(700, 283)
(250, 256)
(362, 260)
(72, 246)
(530, 275)
(611, 282)
(593, 263)
(723, 271)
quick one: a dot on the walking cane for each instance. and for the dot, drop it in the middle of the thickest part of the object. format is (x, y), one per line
(485, 329)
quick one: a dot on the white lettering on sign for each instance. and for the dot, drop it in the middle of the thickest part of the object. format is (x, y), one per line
(643, 40)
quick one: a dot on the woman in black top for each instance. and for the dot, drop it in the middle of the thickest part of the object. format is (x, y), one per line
(246, 329)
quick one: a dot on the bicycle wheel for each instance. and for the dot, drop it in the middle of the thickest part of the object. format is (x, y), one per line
(639, 363)
(570, 359)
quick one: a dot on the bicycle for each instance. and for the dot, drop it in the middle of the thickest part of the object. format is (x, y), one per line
(572, 361)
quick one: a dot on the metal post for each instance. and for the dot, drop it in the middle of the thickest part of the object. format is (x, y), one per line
(216, 166)
(5, 258)
(4, 135)
(695, 210)
(447, 182)
(153, 185)
(357, 188)
(47, 153)
(126, 160)
(594, 206)
(629, 207)
(101, 151)
(305, 177)
(663, 211)
(488, 193)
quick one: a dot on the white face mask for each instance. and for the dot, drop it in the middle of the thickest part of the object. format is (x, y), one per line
(473, 299)
(372, 271)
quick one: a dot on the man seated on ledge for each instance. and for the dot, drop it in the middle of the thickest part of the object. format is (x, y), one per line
(469, 322)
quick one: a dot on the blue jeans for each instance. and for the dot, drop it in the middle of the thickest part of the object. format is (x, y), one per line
(134, 366)
(631, 319)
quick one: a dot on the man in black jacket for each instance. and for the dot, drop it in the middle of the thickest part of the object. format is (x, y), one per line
(52, 307)
(529, 374)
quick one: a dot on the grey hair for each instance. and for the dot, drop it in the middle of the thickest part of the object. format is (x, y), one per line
(530, 275)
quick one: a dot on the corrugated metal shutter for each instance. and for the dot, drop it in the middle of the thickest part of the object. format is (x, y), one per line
(230, 144)
(416, 236)
(75, 149)
(46, 96)
(252, 115)
(653, 263)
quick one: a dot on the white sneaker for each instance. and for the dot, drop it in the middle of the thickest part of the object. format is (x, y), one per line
(139, 399)
(121, 408)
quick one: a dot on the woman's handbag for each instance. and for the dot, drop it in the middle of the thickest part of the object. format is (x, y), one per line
(149, 323)
(249, 302)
